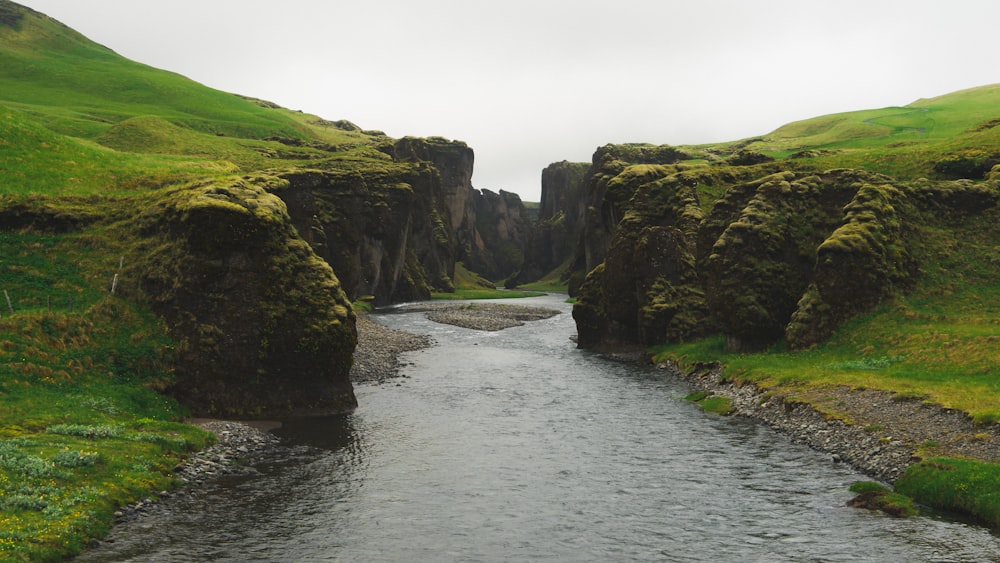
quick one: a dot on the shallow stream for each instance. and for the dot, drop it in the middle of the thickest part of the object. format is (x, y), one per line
(516, 446)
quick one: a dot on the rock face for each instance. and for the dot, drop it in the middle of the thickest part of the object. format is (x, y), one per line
(501, 232)
(384, 230)
(261, 324)
(780, 254)
(555, 235)
(394, 230)
(490, 229)
(247, 284)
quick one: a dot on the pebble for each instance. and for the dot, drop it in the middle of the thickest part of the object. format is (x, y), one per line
(886, 434)
(230, 455)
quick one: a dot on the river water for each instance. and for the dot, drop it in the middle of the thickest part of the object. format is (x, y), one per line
(516, 446)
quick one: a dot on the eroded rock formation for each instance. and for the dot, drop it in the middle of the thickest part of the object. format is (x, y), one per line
(261, 324)
(756, 252)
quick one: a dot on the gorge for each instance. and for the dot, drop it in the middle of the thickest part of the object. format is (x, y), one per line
(170, 250)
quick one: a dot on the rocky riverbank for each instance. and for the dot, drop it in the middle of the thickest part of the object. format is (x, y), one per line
(376, 357)
(238, 447)
(878, 433)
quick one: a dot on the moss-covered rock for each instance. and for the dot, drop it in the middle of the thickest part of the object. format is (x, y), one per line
(261, 324)
(762, 263)
(861, 263)
(756, 252)
(383, 229)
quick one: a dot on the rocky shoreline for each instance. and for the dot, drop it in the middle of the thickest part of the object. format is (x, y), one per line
(886, 433)
(376, 357)
(238, 446)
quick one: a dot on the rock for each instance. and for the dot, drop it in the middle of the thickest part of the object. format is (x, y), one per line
(912, 424)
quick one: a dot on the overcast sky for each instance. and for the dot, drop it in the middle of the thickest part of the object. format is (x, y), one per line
(530, 82)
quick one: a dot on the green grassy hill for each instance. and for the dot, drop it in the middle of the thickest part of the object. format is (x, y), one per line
(77, 117)
(955, 135)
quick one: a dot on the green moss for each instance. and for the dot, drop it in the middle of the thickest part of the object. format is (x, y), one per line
(874, 496)
(957, 485)
(711, 403)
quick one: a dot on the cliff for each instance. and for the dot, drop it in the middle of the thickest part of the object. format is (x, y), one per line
(555, 234)
(490, 229)
(760, 253)
(382, 229)
(502, 228)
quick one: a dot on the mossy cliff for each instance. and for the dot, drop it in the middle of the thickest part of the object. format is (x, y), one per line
(255, 323)
(382, 229)
(501, 234)
(757, 252)
(489, 229)
(260, 322)
(554, 236)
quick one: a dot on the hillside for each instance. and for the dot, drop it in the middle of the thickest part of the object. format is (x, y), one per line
(167, 249)
(950, 136)
(849, 252)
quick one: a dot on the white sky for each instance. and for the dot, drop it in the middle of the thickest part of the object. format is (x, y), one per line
(530, 82)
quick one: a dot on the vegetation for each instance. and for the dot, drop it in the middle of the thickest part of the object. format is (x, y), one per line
(957, 485)
(874, 496)
(711, 403)
(469, 285)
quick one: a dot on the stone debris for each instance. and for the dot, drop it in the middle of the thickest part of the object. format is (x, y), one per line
(376, 357)
(237, 447)
(483, 316)
(885, 432)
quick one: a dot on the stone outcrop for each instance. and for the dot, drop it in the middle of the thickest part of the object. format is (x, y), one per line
(490, 229)
(554, 237)
(384, 229)
(260, 322)
(501, 232)
(395, 230)
(781, 253)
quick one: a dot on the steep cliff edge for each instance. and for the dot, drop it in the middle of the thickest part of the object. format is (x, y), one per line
(490, 229)
(553, 239)
(260, 322)
(758, 253)
(382, 229)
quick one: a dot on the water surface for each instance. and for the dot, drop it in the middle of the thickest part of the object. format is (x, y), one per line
(516, 446)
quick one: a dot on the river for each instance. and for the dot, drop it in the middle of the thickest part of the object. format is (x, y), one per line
(516, 446)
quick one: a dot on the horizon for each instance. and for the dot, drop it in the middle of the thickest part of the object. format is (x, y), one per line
(528, 84)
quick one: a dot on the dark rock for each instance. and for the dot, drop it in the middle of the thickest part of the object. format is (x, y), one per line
(260, 321)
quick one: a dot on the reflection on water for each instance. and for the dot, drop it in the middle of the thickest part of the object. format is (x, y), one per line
(515, 446)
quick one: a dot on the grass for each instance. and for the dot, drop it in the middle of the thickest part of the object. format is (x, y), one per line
(904, 142)
(470, 285)
(83, 426)
(874, 496)
(553, 282)
(83, 429)
(957, 485)
(710, 403)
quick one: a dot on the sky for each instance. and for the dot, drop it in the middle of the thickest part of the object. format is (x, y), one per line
(530, 82)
